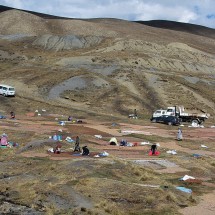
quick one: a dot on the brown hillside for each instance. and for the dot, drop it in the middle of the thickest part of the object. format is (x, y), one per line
(108, 65)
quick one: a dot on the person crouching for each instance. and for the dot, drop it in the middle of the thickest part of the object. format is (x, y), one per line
(85, 151)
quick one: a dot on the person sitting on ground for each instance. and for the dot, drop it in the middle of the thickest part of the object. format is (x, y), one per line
(12, 115)
(85, 151)
(77, 146)
(123, 143)
(153, 148)
(3, 141)
(57, 149)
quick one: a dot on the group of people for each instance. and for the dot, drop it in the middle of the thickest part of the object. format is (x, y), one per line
(154, 145)
(77, 148)
(84, 151)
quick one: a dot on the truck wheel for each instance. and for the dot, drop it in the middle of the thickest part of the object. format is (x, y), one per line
(195, 121)
(169, 123)
(4, 95)
(154, 120)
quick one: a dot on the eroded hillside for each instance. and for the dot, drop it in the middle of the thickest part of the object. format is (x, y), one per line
(104, 66)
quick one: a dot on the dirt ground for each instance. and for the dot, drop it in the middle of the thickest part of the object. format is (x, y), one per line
(30, 132)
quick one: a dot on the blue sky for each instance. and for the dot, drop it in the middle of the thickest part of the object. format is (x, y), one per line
(201, 12)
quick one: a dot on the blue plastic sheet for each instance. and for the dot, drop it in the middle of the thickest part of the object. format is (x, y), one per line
(184, 189)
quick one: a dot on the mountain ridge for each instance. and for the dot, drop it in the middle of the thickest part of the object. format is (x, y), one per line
(171, 25)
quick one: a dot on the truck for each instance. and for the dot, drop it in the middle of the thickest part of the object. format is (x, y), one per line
(179, 111)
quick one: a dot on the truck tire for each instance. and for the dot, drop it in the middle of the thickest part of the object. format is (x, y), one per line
(4, 94)
(195, 121)
(169, 123)
(154, 120)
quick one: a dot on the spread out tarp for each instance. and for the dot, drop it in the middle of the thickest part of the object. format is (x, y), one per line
(156, 153)
(183, 189)
(57, 137)
(113, 141)
(69, 139)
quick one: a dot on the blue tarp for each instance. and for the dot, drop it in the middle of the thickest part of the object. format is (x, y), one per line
(184, 189)
(57, 137)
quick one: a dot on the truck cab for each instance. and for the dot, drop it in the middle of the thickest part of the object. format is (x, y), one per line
(158, 113)
(171, 111)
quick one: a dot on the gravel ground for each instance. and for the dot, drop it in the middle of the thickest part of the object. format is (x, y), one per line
(76, 83)
(164, 163)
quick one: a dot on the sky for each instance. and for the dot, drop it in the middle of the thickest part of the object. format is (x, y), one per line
(200, 12)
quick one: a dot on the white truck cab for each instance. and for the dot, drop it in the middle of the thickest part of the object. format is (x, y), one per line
(7, 90)
(158, 113)
(171, 111)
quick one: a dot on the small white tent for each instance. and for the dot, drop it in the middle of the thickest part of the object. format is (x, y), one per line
(113, 141)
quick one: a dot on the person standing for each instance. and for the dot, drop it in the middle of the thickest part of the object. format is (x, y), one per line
(153, 148)
(135, 112)
(179, 134)
(77, 146)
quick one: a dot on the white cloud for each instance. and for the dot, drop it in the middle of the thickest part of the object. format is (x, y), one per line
(187, 16)
(192, 11)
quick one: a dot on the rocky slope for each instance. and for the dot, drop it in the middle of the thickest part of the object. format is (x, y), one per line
(105, 66)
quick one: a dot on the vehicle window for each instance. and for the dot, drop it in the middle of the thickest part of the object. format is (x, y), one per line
(169, 110)
(163, 112)
(11, 89)
(4, 88)
(0, 87)
(158, 111)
